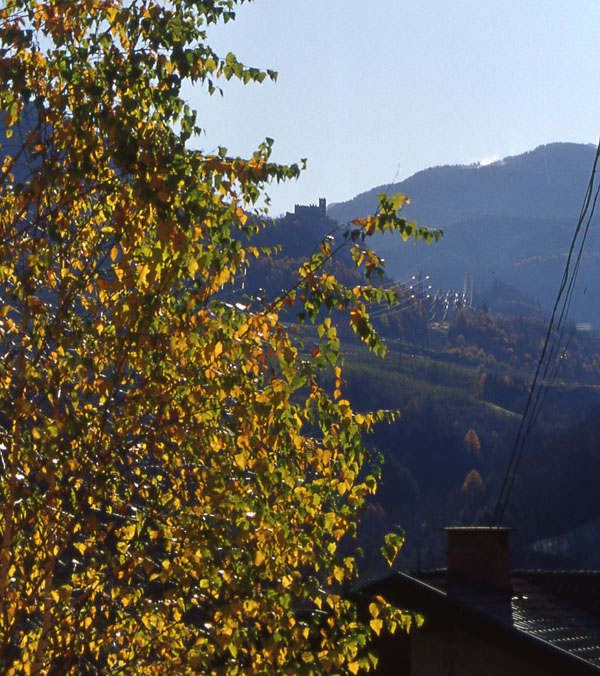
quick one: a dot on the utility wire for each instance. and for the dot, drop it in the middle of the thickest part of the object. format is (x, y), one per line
(537, 393)
(548, 382)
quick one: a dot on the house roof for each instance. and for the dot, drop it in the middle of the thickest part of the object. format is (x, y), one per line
(552, 617)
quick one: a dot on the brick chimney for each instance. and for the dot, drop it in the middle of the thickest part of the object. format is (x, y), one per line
(480, 553)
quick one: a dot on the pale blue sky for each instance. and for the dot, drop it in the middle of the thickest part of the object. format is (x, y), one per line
(372, 91)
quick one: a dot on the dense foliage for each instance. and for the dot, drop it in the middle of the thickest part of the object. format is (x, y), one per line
(174, 479)
(507, 345)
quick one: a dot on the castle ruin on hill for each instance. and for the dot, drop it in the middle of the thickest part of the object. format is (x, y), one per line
(310, 209)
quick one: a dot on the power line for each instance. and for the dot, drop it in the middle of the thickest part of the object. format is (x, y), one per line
(537, 393)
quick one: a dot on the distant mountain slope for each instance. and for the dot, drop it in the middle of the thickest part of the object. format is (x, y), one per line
(510, 220)
(548, 182)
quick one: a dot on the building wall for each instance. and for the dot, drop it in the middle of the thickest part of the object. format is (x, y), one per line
(443, 653)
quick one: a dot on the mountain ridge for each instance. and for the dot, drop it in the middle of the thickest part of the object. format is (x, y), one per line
(510, 220)
(547, 162)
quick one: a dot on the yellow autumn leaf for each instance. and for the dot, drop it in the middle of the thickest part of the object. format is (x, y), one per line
(376, 625)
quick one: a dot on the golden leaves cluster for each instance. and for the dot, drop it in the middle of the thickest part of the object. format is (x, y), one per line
(175, 478)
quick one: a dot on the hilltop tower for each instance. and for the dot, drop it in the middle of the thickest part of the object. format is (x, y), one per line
(311, 209)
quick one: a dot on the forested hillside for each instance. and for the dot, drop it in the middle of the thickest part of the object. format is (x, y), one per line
(445, 458)
(461, 387)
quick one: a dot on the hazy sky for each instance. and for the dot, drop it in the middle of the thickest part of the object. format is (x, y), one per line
(372, 91)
